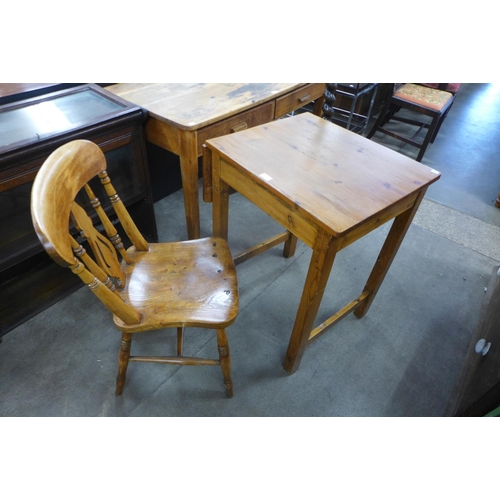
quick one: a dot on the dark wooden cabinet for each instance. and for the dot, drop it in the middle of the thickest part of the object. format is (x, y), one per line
(30, 130)
(477, 391)
(13, 92)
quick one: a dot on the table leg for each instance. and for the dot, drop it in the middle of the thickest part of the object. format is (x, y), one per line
(324, 251)
(189, 174)
(391, 246)
(318, 106)
(220, 201)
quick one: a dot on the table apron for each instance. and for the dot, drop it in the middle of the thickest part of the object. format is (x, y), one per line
(169, 136)
(297, 223)
(282, 212)
(379, 219)
(258, 115)
(163, 134)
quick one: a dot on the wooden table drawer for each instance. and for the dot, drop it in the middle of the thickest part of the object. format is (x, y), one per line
(298, 98)
(247, 119)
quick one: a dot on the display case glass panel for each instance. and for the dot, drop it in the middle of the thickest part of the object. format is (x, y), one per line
(48, 117)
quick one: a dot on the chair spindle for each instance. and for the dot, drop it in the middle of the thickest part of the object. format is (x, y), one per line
(128, 224)
(110, 229)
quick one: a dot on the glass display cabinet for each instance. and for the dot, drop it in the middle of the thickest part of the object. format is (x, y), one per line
(30, 130)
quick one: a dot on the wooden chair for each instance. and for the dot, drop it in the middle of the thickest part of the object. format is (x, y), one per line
(156, 285)
(421, 99)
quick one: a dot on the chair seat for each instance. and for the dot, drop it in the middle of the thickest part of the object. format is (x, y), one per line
(194, 285)
(424, 96)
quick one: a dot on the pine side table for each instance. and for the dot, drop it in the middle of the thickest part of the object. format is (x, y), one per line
(326, 186)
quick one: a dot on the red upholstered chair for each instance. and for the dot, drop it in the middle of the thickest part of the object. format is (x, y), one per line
(417, 98)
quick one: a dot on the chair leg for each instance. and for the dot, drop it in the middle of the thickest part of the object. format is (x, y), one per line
(225, 361)
(123, 357)
(429, 137)
(441, 120)
(384, 116)
(377, 124)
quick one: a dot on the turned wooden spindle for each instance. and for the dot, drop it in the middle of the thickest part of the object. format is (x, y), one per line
(329, 101)
(128, 224)
(110, 229)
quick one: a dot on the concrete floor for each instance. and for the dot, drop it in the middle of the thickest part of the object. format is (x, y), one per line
(401, 359)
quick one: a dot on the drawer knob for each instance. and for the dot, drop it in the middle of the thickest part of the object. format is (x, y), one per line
(305, 98)
(238, 127)
(482, 347)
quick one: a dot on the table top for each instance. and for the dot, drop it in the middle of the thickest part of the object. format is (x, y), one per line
(191, 106)
(336, 178)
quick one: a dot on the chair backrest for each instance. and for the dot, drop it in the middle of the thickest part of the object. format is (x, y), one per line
(54, 210)
(449, 87)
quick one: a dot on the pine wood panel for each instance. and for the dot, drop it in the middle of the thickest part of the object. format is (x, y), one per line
(335, 178)
(281, 210)
(192, 106)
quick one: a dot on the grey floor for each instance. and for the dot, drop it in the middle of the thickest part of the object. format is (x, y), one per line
(401, 359)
